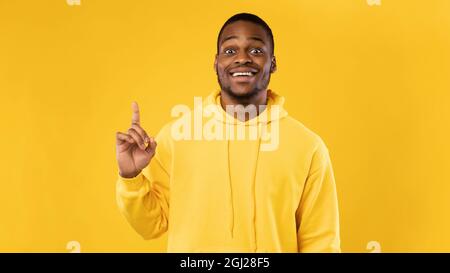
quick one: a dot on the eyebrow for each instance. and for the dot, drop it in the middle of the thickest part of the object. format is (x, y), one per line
(256, 38)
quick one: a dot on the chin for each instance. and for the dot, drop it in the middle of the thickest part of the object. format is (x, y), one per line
(240, 93)
(243, 92)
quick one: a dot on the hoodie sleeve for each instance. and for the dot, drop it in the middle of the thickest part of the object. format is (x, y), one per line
(144, 199)
(317, 214)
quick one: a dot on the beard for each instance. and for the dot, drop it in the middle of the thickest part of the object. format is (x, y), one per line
(246, 96)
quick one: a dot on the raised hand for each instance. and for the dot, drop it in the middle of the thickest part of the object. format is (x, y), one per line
(135, 148)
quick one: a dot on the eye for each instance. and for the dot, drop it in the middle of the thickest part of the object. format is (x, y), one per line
(256, 51)
(229, 51)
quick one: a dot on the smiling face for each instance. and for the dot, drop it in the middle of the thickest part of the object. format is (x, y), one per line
(245, 60)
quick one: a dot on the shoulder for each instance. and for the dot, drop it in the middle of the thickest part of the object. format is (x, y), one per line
(298, 131)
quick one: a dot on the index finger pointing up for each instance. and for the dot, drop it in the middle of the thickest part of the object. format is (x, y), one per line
(135, 118)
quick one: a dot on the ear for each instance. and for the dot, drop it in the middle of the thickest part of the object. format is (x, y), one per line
(215, 63)
(273, 65)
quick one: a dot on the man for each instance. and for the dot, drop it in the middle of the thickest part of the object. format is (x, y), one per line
(228, 194)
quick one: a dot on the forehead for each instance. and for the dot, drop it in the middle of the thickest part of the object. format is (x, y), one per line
(244, 29)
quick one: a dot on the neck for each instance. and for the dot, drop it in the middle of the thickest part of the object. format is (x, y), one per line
(259, 100)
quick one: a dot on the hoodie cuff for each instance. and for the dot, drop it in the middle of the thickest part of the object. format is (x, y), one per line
(132, 184)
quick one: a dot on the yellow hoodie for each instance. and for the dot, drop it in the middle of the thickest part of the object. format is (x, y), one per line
(230, 194)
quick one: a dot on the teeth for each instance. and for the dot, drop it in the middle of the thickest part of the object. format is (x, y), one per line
(235, 74)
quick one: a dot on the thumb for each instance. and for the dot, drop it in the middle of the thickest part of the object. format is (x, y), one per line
(152, 146)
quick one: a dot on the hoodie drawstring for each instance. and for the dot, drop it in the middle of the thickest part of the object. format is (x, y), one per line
(231, 212)
(230, 186)
(254, 195)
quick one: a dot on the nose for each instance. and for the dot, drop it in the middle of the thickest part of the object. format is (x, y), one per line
(242, 58)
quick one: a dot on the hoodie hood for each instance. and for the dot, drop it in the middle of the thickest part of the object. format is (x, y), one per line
(273, 112)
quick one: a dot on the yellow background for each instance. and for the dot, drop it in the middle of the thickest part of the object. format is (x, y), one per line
(373, 81)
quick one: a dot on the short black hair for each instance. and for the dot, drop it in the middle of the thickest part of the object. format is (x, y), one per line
(249, 18)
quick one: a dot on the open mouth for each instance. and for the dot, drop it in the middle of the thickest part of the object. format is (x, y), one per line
(243, 74)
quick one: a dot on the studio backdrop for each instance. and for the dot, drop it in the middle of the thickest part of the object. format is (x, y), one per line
(372, 78)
